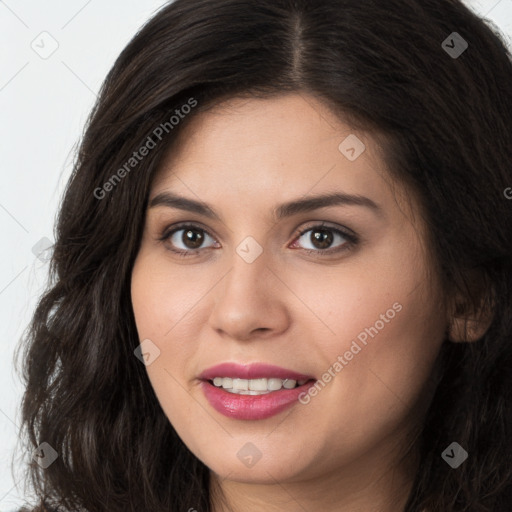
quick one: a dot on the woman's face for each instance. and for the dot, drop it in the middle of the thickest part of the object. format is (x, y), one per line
(357, 313)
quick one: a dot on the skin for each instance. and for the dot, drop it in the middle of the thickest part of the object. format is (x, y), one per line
(348, 448)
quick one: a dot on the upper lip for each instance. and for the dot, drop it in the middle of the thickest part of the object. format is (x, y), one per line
(251, 371)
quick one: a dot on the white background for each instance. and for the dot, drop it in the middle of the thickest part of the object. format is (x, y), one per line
(43, 106)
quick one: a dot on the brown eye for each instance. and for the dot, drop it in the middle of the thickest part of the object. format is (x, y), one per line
(188, 238)
(324, 239)
(192, 238)
(321, 238)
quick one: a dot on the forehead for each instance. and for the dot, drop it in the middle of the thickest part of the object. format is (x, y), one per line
(271, 150)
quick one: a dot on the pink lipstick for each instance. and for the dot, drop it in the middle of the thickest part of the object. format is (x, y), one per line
(252, 392)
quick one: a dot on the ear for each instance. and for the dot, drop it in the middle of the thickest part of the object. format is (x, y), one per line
(467, 322)
(467, 329)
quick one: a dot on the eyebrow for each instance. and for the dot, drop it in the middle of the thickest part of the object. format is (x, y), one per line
(284, 210)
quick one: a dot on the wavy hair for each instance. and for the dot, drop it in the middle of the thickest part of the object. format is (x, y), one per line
(446, 121)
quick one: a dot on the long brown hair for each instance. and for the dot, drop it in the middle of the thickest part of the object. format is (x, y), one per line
(385, 66)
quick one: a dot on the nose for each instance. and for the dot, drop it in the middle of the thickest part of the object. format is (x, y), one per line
(250, 302)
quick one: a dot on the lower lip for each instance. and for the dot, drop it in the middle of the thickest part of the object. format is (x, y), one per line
(252, 407)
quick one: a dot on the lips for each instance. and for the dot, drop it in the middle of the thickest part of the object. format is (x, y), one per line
(251, 407)
(252, 371)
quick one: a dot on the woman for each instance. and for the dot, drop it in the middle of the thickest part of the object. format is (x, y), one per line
(282, 270)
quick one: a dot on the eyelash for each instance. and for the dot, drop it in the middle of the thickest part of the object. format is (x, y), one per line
(351, 239)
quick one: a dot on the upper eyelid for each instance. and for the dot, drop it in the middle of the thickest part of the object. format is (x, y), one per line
(324, 224)
(182, 225)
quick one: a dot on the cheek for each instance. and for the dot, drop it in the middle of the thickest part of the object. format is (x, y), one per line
(381, 329)
(169, 305)
(163, 306)
(164, 302)
(388, 379)
(359, 299)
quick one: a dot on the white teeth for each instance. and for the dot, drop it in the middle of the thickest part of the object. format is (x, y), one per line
(240, 384)
(255, 386)
(274, 384)
(227, 383)
(289, 383)
(258, 384)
